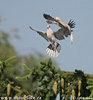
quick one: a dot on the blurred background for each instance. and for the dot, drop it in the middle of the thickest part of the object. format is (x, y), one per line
(17, 39)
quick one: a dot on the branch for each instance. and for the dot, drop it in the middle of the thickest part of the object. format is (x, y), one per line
(59, 74)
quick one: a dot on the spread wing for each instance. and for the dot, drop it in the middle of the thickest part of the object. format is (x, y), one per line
(48, 17)
(43, 34)
(60, 34)
(65, 29)
(58, 21)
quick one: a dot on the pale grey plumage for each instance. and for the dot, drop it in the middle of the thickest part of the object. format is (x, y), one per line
(54, 48)
(65, 29)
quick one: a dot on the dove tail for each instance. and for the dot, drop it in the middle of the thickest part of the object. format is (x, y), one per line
(71, 38)
(53, 49)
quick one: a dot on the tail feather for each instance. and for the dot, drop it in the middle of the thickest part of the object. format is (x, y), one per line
(71, 38)
(53, 50)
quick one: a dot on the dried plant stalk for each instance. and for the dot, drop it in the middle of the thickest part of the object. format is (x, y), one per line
(55, 87)
(79, 88)
(62, 84)
(73, 94)
(8, 90)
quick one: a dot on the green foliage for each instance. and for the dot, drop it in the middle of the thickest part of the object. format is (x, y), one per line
(25, 66)
(33, 75)
(5, 82)
(7, 50)
(43, 74)
(9, 59)
(90, 86)
(46, 74)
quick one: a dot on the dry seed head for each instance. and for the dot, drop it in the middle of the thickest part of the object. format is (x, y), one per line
(55, 87)
(62, 82)
(79, 85)
(73, 93)
(79, 88)
(62, 91)
(8, 89)
(79, 94)
(68, 83)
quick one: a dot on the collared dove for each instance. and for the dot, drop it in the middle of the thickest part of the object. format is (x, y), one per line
(65, 29)
(54, 48)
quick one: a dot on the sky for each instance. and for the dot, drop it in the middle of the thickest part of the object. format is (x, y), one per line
(22, 13)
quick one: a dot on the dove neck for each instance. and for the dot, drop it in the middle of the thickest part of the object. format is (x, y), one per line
(49, 30)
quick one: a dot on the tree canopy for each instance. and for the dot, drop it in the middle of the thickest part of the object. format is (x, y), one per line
(7, 50)
(38, 76)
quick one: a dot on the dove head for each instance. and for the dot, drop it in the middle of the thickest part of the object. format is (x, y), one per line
(48, 26)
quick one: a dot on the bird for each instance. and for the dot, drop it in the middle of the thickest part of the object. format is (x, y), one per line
(65, 28)
(54, 47)
(52, 36)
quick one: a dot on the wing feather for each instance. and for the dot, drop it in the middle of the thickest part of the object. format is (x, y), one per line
(65, 29)
(48, 17)
(59, 21)
(60, 34)
(43, 34)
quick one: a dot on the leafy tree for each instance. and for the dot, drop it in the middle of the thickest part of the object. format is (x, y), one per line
(7, 87)
(4, 82)
(90, 86)
(7, 50)
(43, 80)
(53, 81)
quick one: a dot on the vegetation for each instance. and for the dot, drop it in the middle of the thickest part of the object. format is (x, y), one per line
(51, 81)
(7, 51)
(36, 78)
